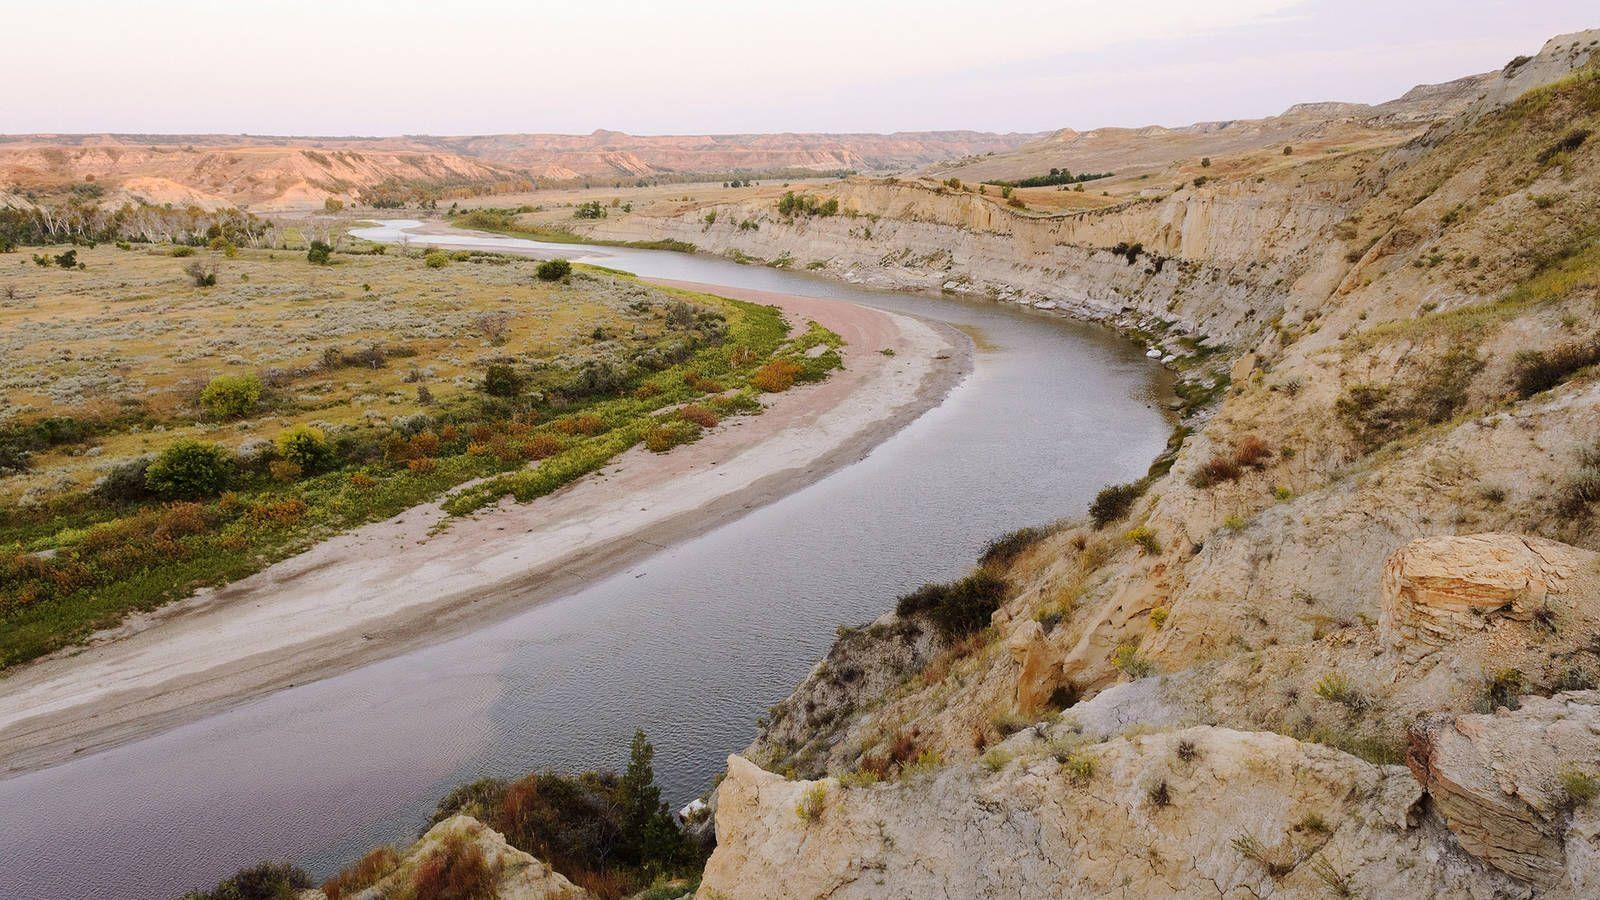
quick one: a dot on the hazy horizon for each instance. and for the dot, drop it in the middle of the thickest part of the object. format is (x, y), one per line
(364, 68)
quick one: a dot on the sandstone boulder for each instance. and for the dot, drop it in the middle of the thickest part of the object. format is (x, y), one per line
(1438, 589)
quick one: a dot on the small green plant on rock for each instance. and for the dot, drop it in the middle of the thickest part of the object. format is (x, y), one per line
(812, 802)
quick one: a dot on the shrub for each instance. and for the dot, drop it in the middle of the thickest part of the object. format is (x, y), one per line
(231, 396)
(124, 482)
(457, 870)
(1579, 787)
(812, 802)
(181, 251)
(1503, 688)
(1079, 767)
(1336, 687)
(284, 470)
(1004, 550)
(501, 381)
(365, 873)
(1371, 415)
(201, 274)
(1114, 501)
(699, 415)
(436, 260)
(320, 252)
(1535, 371)
(776, 376)
(189, 469)
(664, 436)
(959, 608)
(304, 446)
(263, 881)
(553, 270)
(1146, 539)
(587, 424)
(1133, 663)
(1215, 471)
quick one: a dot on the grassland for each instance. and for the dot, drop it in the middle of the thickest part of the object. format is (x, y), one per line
(409, 377)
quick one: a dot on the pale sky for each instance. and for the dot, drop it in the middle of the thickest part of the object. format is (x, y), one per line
(385, 67)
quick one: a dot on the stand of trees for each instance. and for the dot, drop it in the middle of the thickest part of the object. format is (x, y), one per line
(1056, 176)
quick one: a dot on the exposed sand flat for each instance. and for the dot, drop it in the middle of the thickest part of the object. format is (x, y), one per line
(390, 586)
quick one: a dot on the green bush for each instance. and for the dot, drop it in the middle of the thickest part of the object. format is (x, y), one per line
(263, 881)
(320, 252)
(501, 381)
(436, 260)
(958, 608)
(306, 447)
(231, 396)
(189, 470)
(553, 270)
(1114, 501)
(1535, 371)
(1005, 549)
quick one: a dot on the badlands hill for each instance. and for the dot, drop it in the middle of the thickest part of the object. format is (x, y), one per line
(265, 173)
(1341, 640)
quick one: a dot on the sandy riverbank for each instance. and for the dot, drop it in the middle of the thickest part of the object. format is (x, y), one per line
(391, 586)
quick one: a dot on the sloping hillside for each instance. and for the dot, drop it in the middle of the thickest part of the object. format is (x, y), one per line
(1342, 642)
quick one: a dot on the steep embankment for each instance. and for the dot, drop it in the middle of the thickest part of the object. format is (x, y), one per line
(1378, 551)
(1214, 260)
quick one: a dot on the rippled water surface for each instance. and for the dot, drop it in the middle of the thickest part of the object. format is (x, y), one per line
(693, 644)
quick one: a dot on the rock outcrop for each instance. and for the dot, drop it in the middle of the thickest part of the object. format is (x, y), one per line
(515, 875)
(1515, 786)
(1435, 590)
(1198, 812)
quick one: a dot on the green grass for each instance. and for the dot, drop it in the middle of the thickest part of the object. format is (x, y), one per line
(549, 235)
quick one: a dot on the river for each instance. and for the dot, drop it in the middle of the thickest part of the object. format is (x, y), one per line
(691, 644)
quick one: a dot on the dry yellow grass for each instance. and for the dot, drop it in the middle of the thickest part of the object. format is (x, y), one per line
(132, 332)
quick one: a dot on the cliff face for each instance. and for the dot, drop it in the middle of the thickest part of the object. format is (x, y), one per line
(1345, 645)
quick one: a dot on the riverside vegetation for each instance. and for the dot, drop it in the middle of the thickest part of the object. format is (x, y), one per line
(163, 433)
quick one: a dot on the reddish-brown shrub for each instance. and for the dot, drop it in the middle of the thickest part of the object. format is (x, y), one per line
(363, 874)
(424, 443)
(422, 466)
(449, 434)
(455, 871)
(903, 747)
(286, 511)
(1219, 469)
(182, 519)
(1252, 451)
(699, 415)
(482, 434)
(776, 376)
(647, 390)
(541, 446)
(362, 480)
(586, 424)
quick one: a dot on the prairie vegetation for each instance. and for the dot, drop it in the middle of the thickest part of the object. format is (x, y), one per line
(157, 436)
